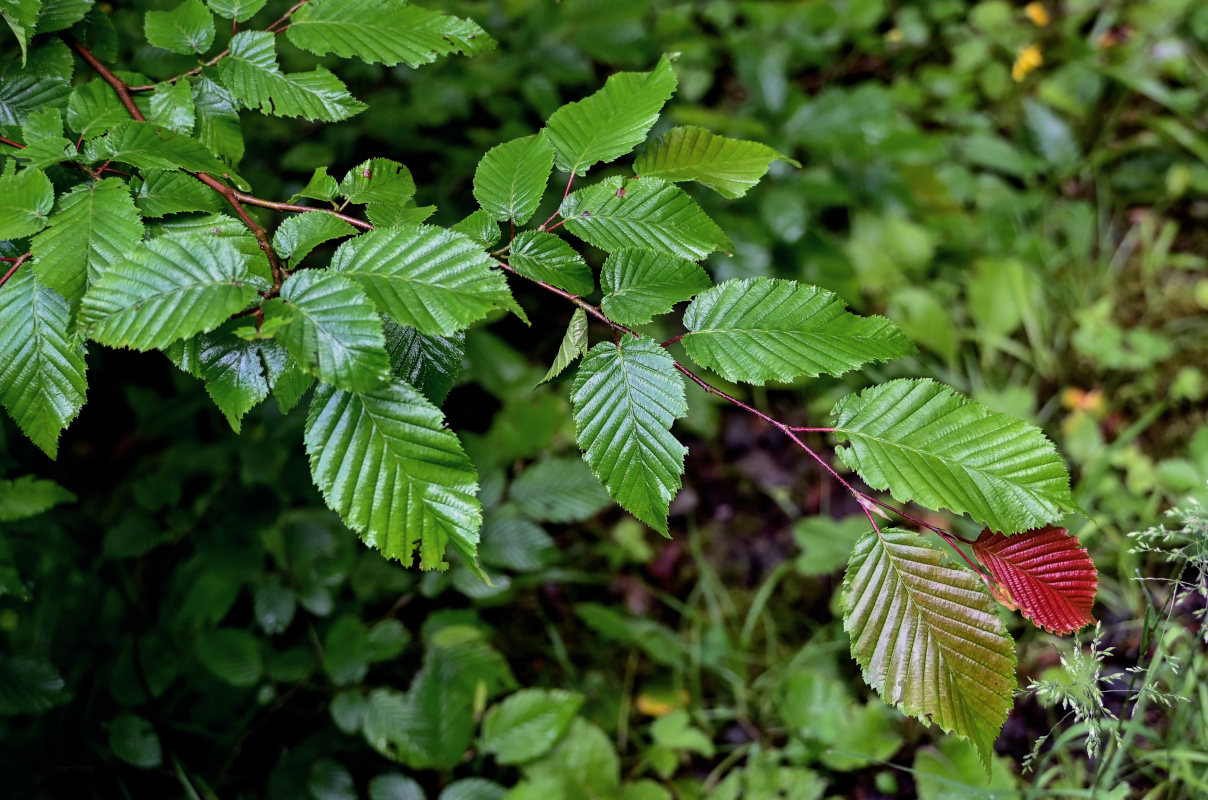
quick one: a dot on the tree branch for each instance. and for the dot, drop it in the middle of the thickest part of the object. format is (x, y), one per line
(13, 269)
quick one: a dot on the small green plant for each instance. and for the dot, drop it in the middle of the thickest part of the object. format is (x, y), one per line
(126, 224)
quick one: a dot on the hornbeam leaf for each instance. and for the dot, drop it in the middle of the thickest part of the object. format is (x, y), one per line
(167, 289)
(143, 145)
(378, 180)
(234, 373)
(387, 465)
(42, 370)
(44, 81)
(643, 213)
(546, 257)
(22, 18)
(94, 108)
(429, 363)
(238, 10)
(640, 284)
(25, 202)
(927, 444)
(186, 29)
(384, 32)
(574, 344)
(298, 235)
(252, 75)
(429, 278)
(763, 329)
(611, 122)
(171, 106)
(1046, 573)
(329, 325)
(58, 15)
(511, 177)
(927, 637)
(625, 399)
(217, 114)
(728, 166)
(94, 226)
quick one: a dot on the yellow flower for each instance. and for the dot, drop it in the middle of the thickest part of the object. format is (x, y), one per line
(1037, 13)
(1028, 60)
(894, 36)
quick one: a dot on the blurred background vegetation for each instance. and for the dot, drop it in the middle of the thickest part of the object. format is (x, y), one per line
(1021, 188)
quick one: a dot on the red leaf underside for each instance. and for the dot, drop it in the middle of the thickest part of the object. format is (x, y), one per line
(1046, 572)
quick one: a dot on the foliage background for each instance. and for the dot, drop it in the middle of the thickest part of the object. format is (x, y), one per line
(201, 626)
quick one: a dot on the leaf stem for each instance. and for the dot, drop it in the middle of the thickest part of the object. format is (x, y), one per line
(11, 143)
(16, 266)
(565, 195)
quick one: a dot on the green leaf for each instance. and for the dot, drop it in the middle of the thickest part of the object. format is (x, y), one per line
(512, 542)
(929, 445)
(42, 370)
(346, 651)
(728, 166)
(238, 10)
(378, 180)
(511, 178)
(141, 144)
(675, 732)
(218, 126)
(928, 638)
(548, 258)
(164, 192)
(133, 740)
(429, 278)
(574, 344)
(429, 363)
(94, 226)
(94, 108)
(643, 213)
(252, 75)
(233, 372)
(28, 686)
(392, 786)
(22, 18)
(43, 82)
(528, 723)
(398, 215)
(479, 226)
(321, 186)
(386, 463)
(383, 32)
(232, 655)
(298, 235)
(286, 377)
(58, 15)
(559, 490)
(582, 766)
(188, 28)
(611, 122)
(640, 284)
(330, 326)
(166, 289)
(625, 398)
(171, 106)
(764, 329)
(26, 198)
(27, 497)
(473, 789)
(44, 140)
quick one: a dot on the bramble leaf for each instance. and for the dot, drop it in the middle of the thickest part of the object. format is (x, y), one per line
(728, 166)
(1046, 573)
(929, 445)
(625, 399)
(762, 329)
(511, 177)
(574, 344)
(641, 284)
(546, 257)
(928, 638)
(253, 77)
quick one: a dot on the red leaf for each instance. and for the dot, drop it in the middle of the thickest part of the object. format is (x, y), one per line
(1046, 574)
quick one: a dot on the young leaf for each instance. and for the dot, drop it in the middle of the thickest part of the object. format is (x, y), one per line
(1046, 573)
(429, 278)
(641, 284)
(728, 166)
(25, 202)
(386, 463)
(611, 122)
(42, 371)
(321, 186)
(429, 363)
(762, 329)
(625, 398)
(187, 29)
(166, 289)
(928, 638)
(94, 226)
(574, 344)
(378, 180)
(238, 10)
(546, 257)
(298, 235)
(929, 445)
(643, 213)
(143, 145)
(252, 75)
(329, 325)
(511, 177)
(479, 226)
(528, 723)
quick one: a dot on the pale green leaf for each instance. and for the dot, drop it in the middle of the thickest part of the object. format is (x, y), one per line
(286, 377)
(42, 370)
(384, 32)
(298, 235)
(548, 258)
(238, 10)
(643, 213)
(94, 226)
(928, 637)
(378, 180)
(625, 398)
(94, 108)
(611, 122)
(559, 490)
(641, 284)
(574, 344)
(763, 329)
(170, 106)
(927, 444)
(26, 199)
(253, 77)
(429, 363)
(28, 496)
(321, 186)
(187, 29)
(429, 278)
(166, 289)
(329, 325)
(511, 178)
(528, 723)
(22, 17)
(44, 140)
(143, 145)
(728, 166)
(385, 462)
